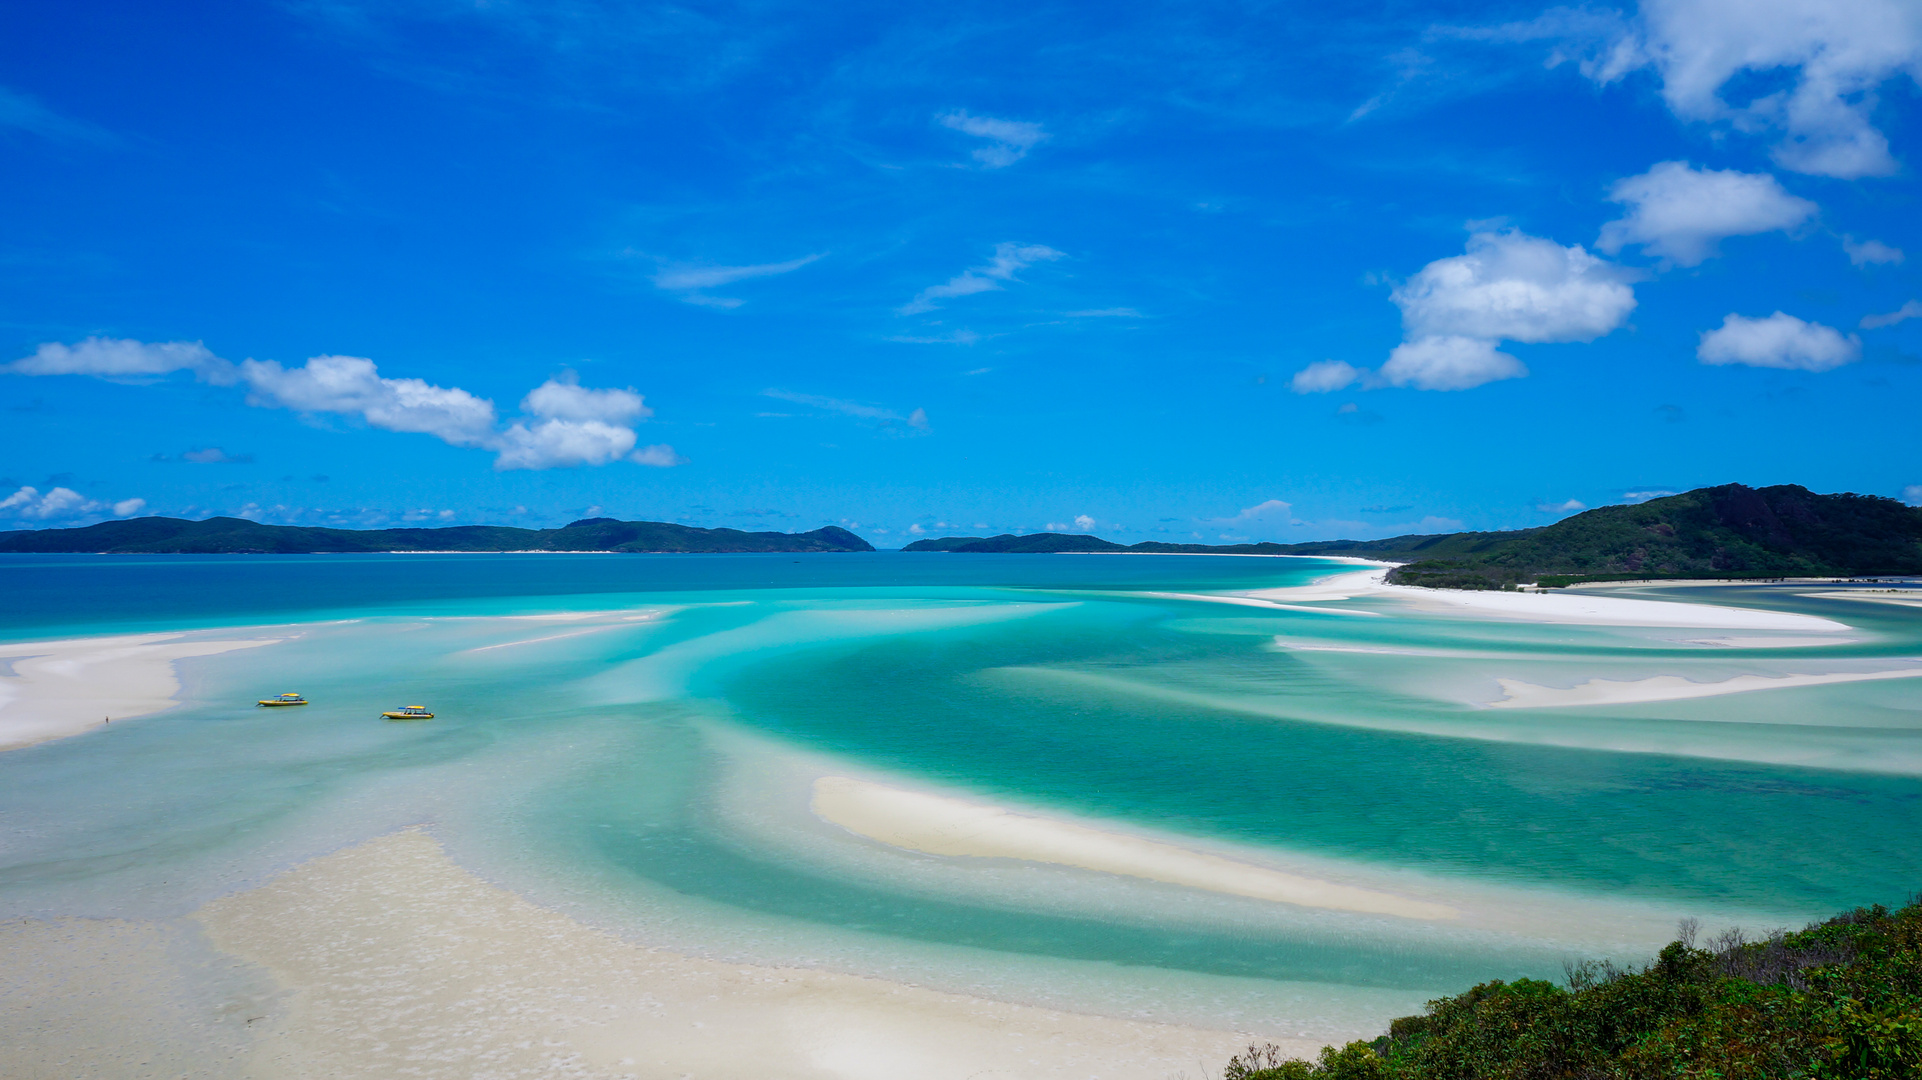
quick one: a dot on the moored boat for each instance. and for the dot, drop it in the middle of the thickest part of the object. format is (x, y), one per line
(280, 701)
(410, 712)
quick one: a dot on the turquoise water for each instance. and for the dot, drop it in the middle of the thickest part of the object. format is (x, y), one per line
(632, 739)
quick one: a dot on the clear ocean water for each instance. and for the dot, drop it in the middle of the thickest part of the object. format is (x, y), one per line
(632, 739)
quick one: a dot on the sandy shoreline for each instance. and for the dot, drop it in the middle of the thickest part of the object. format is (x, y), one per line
(62, 688)
(392, 960)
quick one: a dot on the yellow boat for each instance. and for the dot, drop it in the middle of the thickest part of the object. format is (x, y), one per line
(411, 712)
(282, 700)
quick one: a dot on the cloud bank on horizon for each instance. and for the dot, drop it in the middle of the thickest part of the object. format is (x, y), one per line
(1191, 270)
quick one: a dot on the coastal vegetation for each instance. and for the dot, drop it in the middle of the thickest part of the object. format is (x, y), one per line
(1839, 1000)
(1731, 531)
(226, 536)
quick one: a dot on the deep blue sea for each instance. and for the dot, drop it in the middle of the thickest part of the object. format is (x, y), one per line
(636, 740)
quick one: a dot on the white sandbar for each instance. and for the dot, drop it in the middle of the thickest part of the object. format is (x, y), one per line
(1899, 597)
(62, 688)
(396, 962)
(938, 825)
(1524, 695)
(1589, 610)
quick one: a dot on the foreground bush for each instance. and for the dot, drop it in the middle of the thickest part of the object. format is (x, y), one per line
(1841, 1000)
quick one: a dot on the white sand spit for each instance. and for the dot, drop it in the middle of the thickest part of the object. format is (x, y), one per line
(938, 825)
(397, 962)
(1524, 695)
(1899, 597)
(62, 688)
(1586, 609)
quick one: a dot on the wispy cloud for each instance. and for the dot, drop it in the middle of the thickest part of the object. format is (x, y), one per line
(1105, 313)
(1009, 259)
(25, 113)
(689, 279)
(214, 455)
(1910, 310)
(917, 420)
(956, 337)
(1870, 252)
(1009, 140)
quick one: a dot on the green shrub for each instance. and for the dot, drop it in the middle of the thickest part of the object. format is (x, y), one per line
(1839, 1000)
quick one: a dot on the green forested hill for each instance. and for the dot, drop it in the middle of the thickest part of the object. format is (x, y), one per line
(1840, 1000)
(1728, 531)
(224, 535)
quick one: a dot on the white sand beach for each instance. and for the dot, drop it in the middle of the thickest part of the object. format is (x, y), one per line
(1526, 695)
(1589, 610)
(1909, 598)
(62, 688)
(391, 960)
(939, 825)
(1563, 607)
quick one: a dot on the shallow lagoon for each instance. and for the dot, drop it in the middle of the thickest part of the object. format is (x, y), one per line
(634, 740)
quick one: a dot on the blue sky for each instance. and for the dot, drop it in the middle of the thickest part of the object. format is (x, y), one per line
(1167, 271)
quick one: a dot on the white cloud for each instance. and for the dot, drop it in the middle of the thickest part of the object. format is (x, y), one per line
(214, 455)
(1083, 522)
(888, 418)
(124, 358)
(1456, 311)
(1644, 496)
(1268, 511)
(1568, 507)
(352, 385)
(660, 455)
(1009, 259)
(565, 399)
(1912, 494)
(1837, 54)
(1011, 139)
(1449, 362)
(1680, 213)
(546, 444)
(1104, 313)
(688, 279)
(1779, 341)
(1910, 310)
(62, 502)
(1325, 377)
(578, 426)
(1870, 252)
(566, 423)
(1515, 287)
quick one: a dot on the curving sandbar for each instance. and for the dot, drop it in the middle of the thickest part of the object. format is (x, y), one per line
(392, 960)
(938, 825)
(62, 688)
(1525, 695)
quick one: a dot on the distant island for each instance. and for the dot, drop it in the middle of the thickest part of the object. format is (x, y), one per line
(238, 536)
(1731, 531)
